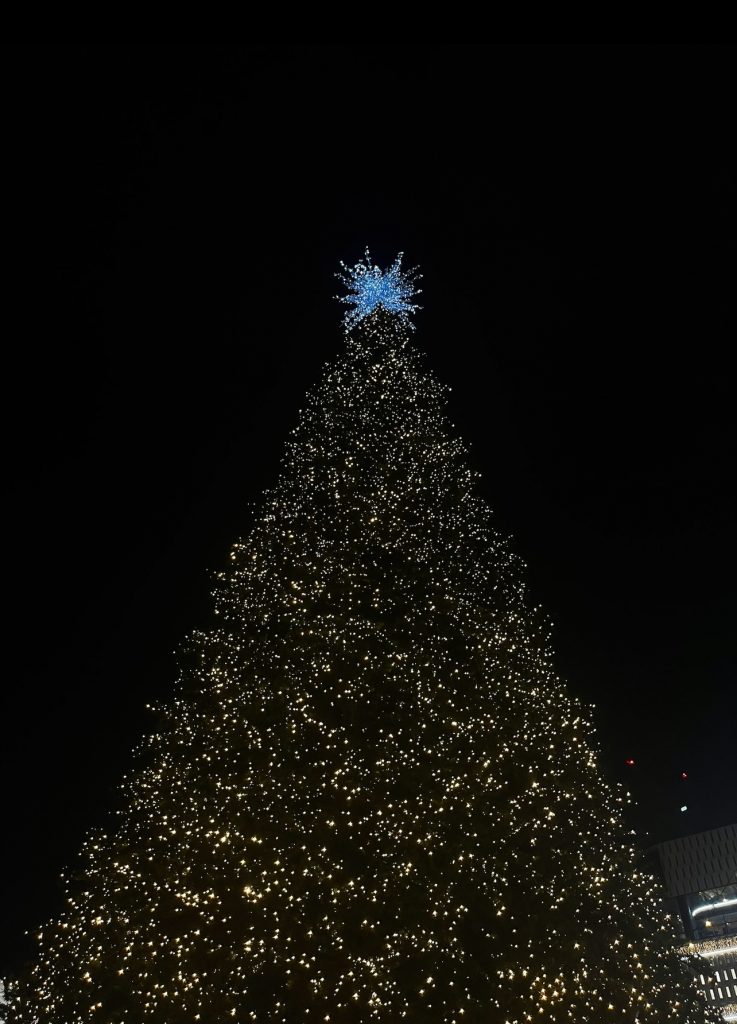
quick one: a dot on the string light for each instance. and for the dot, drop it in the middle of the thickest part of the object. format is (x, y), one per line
(709, 948)
(371, 797)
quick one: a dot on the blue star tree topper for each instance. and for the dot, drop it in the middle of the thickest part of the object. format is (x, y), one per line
(370, 287)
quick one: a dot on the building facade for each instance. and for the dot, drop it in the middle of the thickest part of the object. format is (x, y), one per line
(700, 876)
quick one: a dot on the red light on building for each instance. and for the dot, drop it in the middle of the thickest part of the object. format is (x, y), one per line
(630, 762)
(684, 775)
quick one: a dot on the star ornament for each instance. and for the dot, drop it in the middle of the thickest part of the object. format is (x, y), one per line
(370, 287)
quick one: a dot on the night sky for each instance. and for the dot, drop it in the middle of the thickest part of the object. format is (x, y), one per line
(172, 220)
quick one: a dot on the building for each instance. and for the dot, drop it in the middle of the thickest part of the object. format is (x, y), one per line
(700, 876)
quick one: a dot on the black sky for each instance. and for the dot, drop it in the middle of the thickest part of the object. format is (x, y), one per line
(172, 218)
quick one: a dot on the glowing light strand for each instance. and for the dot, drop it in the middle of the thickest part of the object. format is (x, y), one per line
(717, 905)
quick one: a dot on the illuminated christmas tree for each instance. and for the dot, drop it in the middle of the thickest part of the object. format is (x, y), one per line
(372, 799)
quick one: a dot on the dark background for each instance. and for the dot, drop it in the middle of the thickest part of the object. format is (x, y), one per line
(172, 218)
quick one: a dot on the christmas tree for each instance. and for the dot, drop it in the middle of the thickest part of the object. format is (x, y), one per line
(372, 799)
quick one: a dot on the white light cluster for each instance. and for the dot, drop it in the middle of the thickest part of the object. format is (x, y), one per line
(372, 799)
(712, 947)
